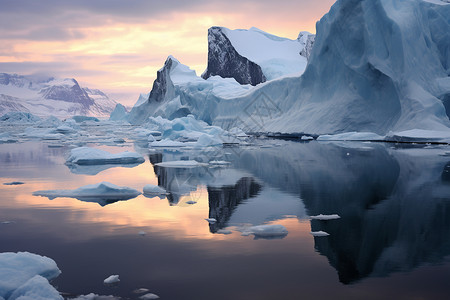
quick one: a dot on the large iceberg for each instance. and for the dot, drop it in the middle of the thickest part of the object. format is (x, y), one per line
(376, 66)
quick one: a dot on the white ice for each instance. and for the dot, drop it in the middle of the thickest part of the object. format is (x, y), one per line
(181, 164)
(112, 279)
(93, 156)
(319, 233)
(325, 217)
(266, 231)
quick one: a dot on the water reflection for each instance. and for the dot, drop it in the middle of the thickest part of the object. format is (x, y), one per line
(393, 202)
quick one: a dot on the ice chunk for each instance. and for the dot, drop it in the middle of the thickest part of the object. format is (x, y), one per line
(93, 296)
(224, 231)
(149, 296)
(326, 217)
(16, 269)
(112, 279)
(211, 220)
(267, 231)
(37, 288)
(80, 119)
(151, 189)
(319, 233)
(166, 143)
(93, 156)
(103, 193)
(140, 291)
(19, 117)
(180, 164)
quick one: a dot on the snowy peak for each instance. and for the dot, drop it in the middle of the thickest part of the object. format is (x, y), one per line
(225, 61)
(307, 40)
(49, 96)
(254, 56)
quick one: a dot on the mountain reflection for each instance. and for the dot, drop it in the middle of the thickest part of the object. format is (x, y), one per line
(224, 200)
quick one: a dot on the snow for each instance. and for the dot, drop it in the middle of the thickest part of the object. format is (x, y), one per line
(281, 56)
(267, 231)
(319, 233)
(93, 156)
(112, 279)
(326, 217)
(180, 164)
(103, 193)
(150, 189)
(26, 274)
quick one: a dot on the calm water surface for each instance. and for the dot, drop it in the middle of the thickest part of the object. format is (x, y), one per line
(392, 241)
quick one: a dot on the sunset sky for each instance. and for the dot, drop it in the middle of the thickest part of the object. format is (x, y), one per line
(118, 45)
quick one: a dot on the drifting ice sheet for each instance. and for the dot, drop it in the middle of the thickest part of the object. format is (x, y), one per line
(102, 193)
(92, 156)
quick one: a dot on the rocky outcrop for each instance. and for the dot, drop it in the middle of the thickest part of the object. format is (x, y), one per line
(226, 62)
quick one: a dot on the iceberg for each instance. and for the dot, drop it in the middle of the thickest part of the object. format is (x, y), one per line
(151, 189)
(19, 117)
(112, 279)
(102, 193)
(267, 231)
(149, 296)
(25, 275)
(93, 156)
(119, 113)
(362, 76)
(325, 217)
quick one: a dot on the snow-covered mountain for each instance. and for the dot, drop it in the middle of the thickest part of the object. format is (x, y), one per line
(50, 96)
(253, 56)
(376, 66)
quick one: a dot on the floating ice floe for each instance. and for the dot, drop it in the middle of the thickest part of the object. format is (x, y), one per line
(219, 162)
(224, 231)
(266, 231)
(352, 136)
(149, 296)
(325, 217)
(14, 183)
(93, 296)
(103, 193)
(181, 164)
(211, 220)
(141, 291)
(190, 202)
(319, 233)
(26, 274)
(166, 143)
(19, 117)
(5, 137)
(93, 156)
(153, 190)
(142, 233)
(112, 279)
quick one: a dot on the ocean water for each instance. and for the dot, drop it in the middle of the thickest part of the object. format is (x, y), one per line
(392, 240)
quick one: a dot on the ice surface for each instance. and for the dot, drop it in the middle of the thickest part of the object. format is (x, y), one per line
(211, 220)
(352, 136)
(181, 164)
(93, 296)
(119, 113)
(93, 156)
(18, 271)
(112, 279)
(319, 233)
(326, 217)
(80, 119)
(19, 117)
(102, 193)
(151, 189)
(267, 231)
(37, 288)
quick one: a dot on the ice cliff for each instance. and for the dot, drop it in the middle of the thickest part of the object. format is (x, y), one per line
(374, 66)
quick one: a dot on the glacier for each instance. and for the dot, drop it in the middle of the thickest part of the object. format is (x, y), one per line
(379, 67)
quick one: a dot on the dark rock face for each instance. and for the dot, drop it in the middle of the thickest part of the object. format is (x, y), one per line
(225, 61)
(67, 93)
(162, 83)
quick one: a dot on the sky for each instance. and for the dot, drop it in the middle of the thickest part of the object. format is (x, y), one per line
(118, 45)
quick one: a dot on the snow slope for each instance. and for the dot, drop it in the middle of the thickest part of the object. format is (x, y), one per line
(252, 56)
(50, 96)
(376, 66)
